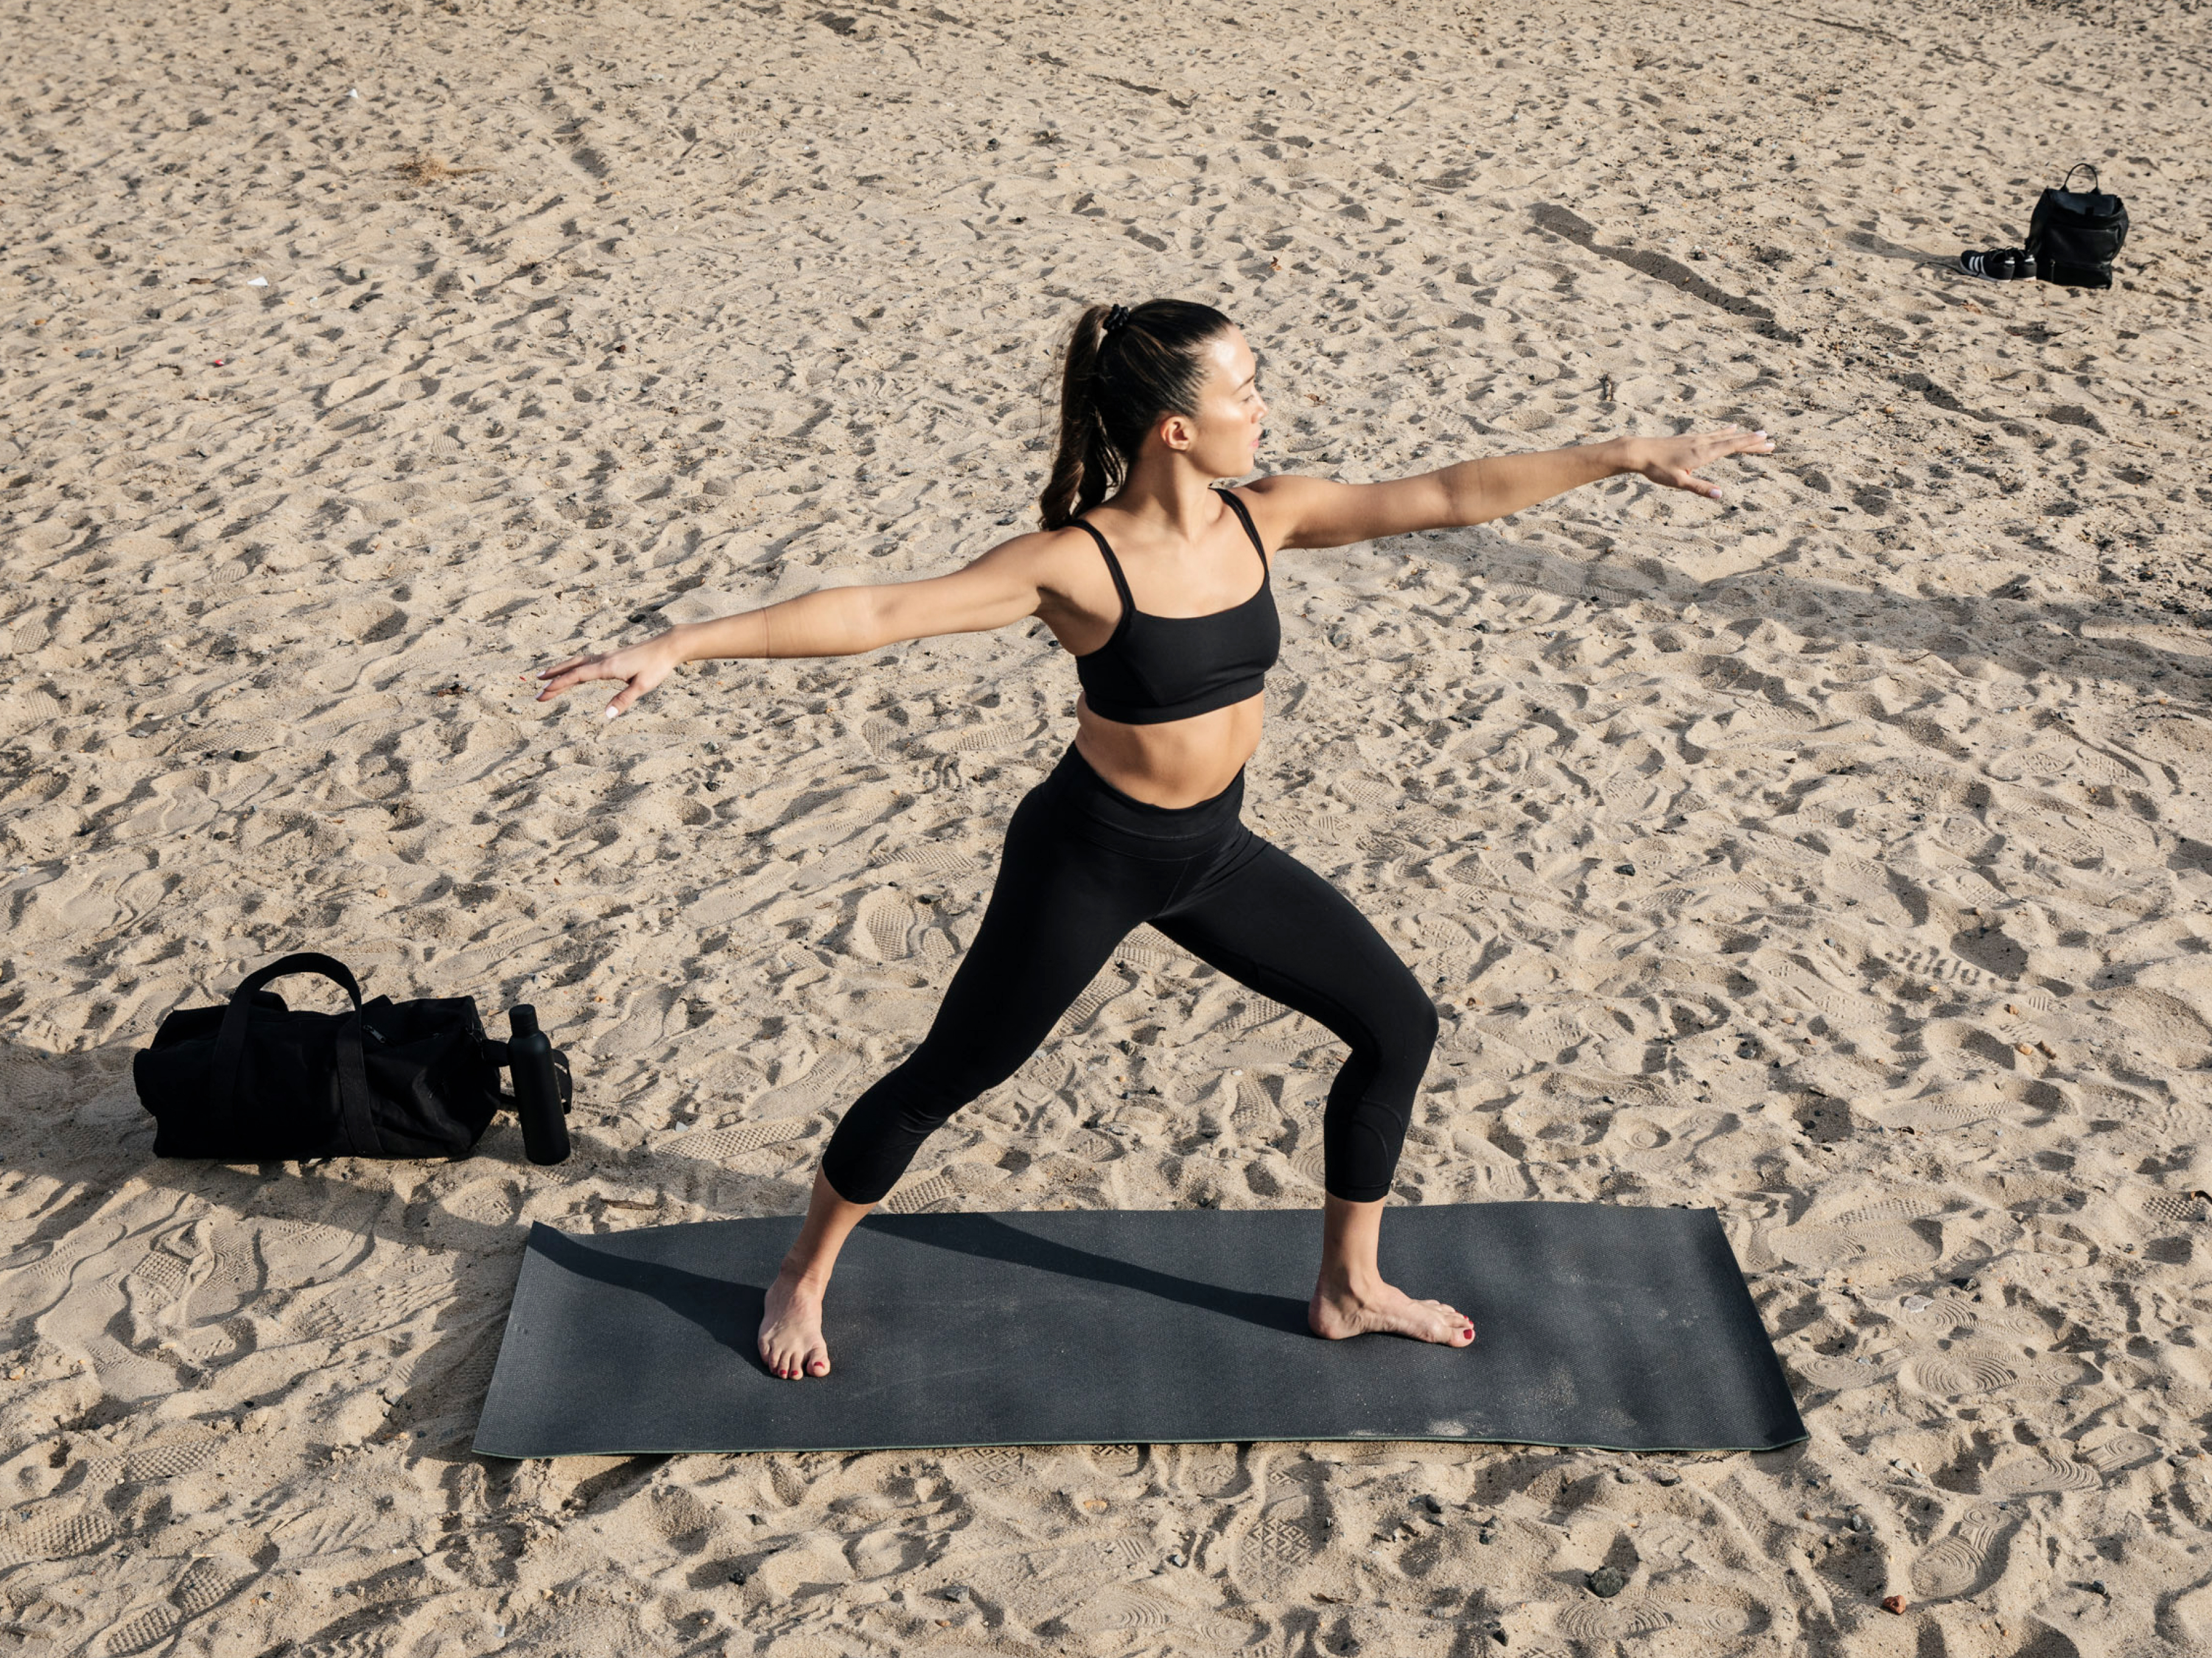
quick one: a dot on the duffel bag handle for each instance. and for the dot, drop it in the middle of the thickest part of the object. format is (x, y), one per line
(2067, 183)
(353, 1069)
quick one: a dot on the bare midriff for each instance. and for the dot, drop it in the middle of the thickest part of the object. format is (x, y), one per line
(1178, 762)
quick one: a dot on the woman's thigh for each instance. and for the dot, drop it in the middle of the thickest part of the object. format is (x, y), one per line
(1277, 926)
(1057, 909)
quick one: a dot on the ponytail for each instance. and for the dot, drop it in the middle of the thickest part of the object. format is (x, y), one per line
(1115, 381)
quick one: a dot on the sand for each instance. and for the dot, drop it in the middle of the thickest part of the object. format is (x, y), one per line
(1836, 855)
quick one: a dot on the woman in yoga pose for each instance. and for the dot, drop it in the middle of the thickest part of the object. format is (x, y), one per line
(1140, 820)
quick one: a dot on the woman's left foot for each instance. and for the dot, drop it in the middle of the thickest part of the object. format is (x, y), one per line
(1384, 1310)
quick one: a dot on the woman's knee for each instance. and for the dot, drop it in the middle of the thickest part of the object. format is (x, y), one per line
(1400, 1030)
(951, 1073)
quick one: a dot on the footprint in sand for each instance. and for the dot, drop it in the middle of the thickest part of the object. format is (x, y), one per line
(1967, 1559)
(57, 1536)
(151, 1462)
(207, 1583)
(824, 1082)
(2175, 1207)
(353, 1310)
(986, 1467)
(1935, 967)
(1901, 1207)
(1108, 984)
(718, 1145)
(974, 739)
(885, 923)
(1841, 1373)
(884, 737)
(1365, 789)
(1728, 1619)
(1937, 1114)
(1145, 949)
(2026, 1474)
(922, 1195)
(924, 858)
(234, 1280)
(1930, 1314)
(158, 1288)
(1592, 1619)
(1953, 1374)
(1211, 1471)
(1116, 1461)
(2121, 1451)
(1256, 1115)
(1286, 1539)
(1132, 1614)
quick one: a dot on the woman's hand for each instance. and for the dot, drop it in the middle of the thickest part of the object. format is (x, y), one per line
(1674, 461)
(643, 666)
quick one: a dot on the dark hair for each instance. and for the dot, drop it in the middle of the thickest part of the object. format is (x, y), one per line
(1114, 386)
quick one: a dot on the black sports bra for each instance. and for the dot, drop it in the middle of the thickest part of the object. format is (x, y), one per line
(1157, 668)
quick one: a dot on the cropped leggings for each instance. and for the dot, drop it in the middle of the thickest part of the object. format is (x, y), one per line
(1083, 865)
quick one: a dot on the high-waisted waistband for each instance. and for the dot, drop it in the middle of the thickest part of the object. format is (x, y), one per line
(1160, 831)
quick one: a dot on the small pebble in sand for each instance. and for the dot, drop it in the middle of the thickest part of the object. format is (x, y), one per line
(1607, 1582)
(1892, 1603)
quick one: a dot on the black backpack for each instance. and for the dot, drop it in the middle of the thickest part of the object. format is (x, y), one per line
(2074, 235)
(256, 1082)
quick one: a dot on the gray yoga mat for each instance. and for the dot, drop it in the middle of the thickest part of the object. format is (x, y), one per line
(1624, 1328)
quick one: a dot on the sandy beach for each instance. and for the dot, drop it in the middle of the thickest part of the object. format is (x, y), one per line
(1836, 855)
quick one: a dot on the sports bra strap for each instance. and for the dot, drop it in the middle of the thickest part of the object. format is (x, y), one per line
(1113, 565)
(1245, 517)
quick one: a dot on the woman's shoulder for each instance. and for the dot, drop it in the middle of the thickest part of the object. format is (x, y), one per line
(1057, 561)
(1277, 502)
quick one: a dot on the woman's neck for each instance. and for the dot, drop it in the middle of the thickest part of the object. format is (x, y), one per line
(1167, 498)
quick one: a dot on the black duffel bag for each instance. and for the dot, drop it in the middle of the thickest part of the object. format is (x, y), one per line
(257, 1082)
(2076, 235)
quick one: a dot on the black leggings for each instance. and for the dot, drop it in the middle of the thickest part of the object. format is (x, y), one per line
(1083, 865)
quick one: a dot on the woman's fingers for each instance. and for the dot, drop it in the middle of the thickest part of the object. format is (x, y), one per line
(643, 666)
(574, 671)
(1679, 459)
(638, 686)
(644, 669)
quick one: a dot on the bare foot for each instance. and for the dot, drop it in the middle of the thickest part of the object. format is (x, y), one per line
(1341, 1311)
(791, 1343)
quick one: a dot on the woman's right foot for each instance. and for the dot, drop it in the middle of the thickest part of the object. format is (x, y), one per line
(1338, 1311)
(791, 1343)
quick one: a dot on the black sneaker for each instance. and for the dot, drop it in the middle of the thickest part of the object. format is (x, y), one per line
(1999, 264)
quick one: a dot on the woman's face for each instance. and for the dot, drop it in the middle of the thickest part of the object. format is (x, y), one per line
(1226, 434)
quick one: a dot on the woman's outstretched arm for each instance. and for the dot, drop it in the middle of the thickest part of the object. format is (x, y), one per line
(1309, 512)
(1001, 587)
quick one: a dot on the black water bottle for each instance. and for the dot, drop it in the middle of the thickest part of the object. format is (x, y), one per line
(541, 1087)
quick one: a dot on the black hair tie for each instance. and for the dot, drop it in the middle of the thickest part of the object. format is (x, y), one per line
(1115, 318)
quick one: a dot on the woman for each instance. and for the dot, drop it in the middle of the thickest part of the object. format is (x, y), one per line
(1147, 573)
